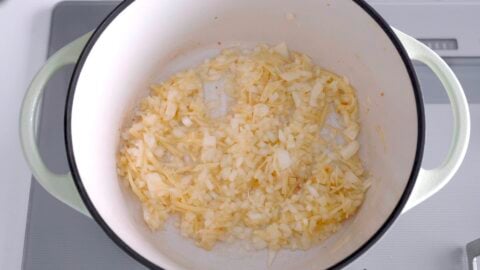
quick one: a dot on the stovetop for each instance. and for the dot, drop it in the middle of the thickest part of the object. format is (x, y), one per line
(431, 236)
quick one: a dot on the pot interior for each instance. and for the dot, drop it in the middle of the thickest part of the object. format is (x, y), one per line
(152, 39)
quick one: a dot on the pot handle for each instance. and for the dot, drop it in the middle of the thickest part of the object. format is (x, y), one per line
(61, 187)
(431, 181)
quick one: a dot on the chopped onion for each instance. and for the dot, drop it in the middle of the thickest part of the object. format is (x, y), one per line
(261, 110)
(209, 141)
(281, 49)
(349, 150)
(251, 144)
(352, 131)
(186, 121)
(316, 93)
(283, 158)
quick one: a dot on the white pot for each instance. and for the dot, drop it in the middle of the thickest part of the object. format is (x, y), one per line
(142, 40)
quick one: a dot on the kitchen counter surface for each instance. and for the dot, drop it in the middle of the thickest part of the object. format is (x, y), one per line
(24, 28)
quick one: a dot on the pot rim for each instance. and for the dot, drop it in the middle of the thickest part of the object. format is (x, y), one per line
(359, 251)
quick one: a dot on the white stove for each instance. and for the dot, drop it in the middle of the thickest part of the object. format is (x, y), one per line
(432, 236)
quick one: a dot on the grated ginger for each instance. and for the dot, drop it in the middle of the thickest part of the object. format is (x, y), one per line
(272, 168)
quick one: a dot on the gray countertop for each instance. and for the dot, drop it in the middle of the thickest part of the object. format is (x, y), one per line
(431, 236)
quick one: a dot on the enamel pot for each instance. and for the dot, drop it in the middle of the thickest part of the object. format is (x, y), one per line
(143, 40)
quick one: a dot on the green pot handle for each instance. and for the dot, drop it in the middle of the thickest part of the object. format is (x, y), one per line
(61, 187)
(431, 181)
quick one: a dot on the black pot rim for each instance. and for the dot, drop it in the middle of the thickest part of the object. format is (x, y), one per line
(392, 217)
